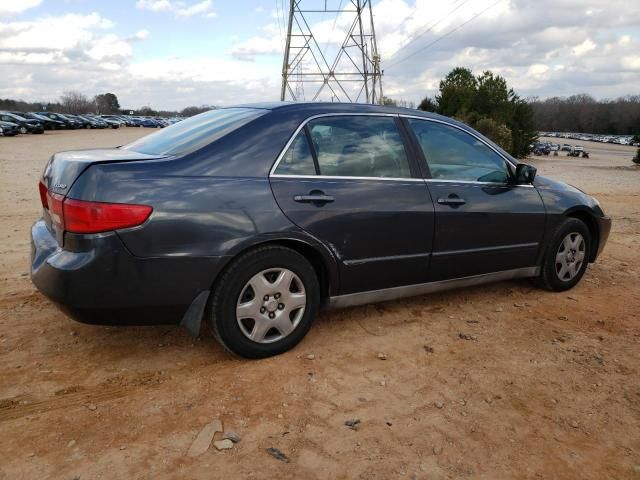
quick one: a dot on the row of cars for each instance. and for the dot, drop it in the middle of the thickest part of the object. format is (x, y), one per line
(588, 137)
(546, 148)
(14, 123)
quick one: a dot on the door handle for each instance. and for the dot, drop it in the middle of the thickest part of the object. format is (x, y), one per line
(317, 198)
(452, 201)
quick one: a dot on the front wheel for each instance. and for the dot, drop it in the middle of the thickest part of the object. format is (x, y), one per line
(264, 303)
(567, 256)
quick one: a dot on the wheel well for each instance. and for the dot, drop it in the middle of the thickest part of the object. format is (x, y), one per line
(592, 225)
(307, 251)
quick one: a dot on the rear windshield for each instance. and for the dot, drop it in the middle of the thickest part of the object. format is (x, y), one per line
(195, 132)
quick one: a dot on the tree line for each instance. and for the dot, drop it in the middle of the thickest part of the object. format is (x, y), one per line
(102, 104)
(584, 114)
(488, 104)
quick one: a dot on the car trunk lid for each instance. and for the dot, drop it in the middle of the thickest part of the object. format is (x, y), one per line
(64, 168)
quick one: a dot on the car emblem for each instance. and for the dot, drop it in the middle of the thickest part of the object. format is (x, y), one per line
(60, 186)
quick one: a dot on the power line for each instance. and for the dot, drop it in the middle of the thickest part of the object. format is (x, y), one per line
(432, 26)
(445, 35)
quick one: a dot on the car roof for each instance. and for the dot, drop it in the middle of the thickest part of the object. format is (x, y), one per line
(335, 107)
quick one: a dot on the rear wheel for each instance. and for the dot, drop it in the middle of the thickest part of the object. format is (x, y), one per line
(264, 303)
(567, 256)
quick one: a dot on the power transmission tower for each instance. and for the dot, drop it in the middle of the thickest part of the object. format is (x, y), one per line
(352, 75)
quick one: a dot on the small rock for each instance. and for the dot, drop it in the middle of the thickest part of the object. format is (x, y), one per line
(123, 447)
(225, 444)
(274, 452)
(352, 424)
(203, 440)
(428, 349)
(467, 336)
(382, 356)
(279, 415)
(73, 334)
(499, 309)
(439, 403)
(563, 317)
(571, 297)
(311, 356)
(574, 423)
(233, 436)
(488, 400)
(31, 455)
(382, 383)
(437, 449)
(92, 407)
(71, 443)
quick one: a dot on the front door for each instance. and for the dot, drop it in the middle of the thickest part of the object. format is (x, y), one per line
(484, 222)
(347, 180)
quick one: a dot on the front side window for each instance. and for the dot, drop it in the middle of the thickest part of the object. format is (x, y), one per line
(297, 160)
(195, 132)
(453, 154)
(359, 146)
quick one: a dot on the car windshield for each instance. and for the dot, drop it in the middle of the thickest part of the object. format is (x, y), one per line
(195, 132)
(17, 117)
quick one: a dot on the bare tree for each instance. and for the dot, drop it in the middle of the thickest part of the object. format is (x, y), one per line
(76, 102)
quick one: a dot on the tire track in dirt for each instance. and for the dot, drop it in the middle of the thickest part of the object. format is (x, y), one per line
(78, 395)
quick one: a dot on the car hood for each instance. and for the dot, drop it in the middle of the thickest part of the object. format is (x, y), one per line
(550, 184)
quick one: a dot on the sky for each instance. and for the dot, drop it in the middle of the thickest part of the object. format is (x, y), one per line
(169, 54)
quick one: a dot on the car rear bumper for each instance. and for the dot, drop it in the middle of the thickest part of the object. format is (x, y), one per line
(101, 282)
(604, 228)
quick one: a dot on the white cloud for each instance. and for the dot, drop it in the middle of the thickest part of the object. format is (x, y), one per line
(571, 50)
(12, 7)
(154, 5)
(585, 47)
(180, 8)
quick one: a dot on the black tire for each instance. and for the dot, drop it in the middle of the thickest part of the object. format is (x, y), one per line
(549, 278)
(221, 309)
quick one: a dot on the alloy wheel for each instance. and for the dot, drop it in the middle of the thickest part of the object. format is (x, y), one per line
(271, 305)
(570, 256)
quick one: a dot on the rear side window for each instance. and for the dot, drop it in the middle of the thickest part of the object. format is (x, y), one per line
(455, 155)
(359, 146)
(195, 132)
(297, 160)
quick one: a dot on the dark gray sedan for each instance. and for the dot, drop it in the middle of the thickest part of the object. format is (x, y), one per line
(249, 219)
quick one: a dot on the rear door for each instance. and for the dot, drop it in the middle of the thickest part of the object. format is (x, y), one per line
(484, 223)
(348, 180)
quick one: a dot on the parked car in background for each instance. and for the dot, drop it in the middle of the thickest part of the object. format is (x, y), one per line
(68, 123)
(151, 123)
(24, 125)
(251, 218)
(109, 122)
(92, 122)
(113, 119)
(46, 122)
(9, 129)
(566, 147)
(79, 120)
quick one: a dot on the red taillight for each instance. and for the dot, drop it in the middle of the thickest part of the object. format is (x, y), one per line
(79, 216)
(43, 194)
(94, 217)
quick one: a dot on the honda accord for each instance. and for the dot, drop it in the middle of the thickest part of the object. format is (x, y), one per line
(249, 219)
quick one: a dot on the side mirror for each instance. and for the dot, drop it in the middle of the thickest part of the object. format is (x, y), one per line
(525, 173)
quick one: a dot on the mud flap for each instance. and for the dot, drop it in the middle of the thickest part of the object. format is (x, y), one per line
(192, 319)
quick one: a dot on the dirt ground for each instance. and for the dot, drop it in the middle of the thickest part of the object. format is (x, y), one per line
(546, 386)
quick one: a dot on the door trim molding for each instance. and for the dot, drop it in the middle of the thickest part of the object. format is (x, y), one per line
(486, 249)
(383, 295)
(362, 261)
